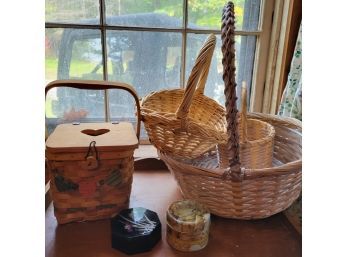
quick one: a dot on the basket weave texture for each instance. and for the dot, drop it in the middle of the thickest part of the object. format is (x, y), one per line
(256, 140)
(231, 190)
(97, 184)
(107, 200)
(261, 193)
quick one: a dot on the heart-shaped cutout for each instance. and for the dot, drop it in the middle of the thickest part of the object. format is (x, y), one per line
(95, 132)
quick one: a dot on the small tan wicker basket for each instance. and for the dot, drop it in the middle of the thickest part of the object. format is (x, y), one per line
(236, 192)
(256, 139)
(186, 123)
(188, 225)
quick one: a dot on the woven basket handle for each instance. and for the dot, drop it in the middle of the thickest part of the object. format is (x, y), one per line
(98, 85)
(229, 77)
(198, 76)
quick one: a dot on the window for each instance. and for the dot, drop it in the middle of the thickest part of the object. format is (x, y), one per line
(149, 44)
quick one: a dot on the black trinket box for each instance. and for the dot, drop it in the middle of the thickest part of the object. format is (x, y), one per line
(135, 230)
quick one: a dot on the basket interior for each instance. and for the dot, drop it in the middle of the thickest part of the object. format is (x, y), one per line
(287, 148)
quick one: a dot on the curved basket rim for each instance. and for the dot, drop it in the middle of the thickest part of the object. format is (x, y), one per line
(295, 123)
(219, 135)
(191, 123)
(268, 137)
(296, 166)
(285, 168)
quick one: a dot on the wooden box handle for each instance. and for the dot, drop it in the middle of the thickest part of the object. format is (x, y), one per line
(98, 85)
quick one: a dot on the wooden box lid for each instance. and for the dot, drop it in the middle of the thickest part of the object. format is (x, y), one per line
(77, 138)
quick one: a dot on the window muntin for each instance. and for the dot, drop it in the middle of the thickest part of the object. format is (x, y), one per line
(244, 57)
(120, 57)
(148, 60)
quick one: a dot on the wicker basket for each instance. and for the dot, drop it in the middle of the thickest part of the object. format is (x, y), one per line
(187, 131)
(261, 193)
(256, 139)
(186, 123)
(91, 165)
(188, 225)
(237, 192)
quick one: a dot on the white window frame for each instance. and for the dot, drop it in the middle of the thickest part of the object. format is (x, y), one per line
(261, 55)
(279, 40)
(263, 35)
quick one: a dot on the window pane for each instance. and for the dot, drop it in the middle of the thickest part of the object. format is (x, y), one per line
(207, 14)
(122, 108)
(66, 105)
(52, 45)
(149, 61)
(151, 13)
(214, 88)
(73, 54)
(72, 11)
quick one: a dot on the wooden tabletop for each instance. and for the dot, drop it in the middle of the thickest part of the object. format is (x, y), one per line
(155, 190)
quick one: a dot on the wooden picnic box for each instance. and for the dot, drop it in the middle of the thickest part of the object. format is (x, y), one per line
(91, 165)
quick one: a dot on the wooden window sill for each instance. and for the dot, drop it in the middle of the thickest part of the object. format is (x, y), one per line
(155, 190)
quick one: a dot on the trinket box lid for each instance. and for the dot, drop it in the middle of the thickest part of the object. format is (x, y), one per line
(188, 216)
(135, 230)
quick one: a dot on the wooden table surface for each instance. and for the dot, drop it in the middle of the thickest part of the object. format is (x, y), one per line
(155, 190)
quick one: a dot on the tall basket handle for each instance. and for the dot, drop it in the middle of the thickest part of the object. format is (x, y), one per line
(198, 76)
(98, 85)
(229, 77)
(205, 69)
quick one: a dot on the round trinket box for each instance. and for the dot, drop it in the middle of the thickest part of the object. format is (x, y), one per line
(187, 226)
(135, 230)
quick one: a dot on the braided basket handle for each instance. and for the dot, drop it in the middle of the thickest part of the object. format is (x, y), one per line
(229, 77)
(198, 76)
(98, 85)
